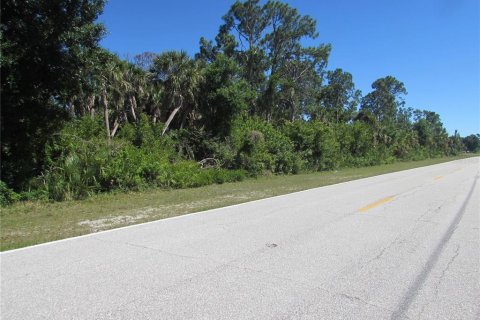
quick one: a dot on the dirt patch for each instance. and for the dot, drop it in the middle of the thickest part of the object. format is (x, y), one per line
(111, 222)
(163, 211)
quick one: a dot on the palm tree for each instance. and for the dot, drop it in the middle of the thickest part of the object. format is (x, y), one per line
(154, 96)
(108, 74)
(137, 81)
(113, 87)
(180, 77)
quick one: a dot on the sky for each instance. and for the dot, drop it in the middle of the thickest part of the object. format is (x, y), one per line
(432, 46)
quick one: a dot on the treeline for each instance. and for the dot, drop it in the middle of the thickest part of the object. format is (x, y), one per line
(78, 120)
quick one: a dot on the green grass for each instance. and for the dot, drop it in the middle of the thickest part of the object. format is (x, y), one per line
(25, 224)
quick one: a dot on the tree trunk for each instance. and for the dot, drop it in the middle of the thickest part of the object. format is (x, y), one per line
(71, 110)
(292, 103)
(105, 112)
(184, 118)
(156, 114)
(90, 105)
(116, 124)
(133, 106)
(170, 118)
(269, 101)
(174, 112)
(337, 107)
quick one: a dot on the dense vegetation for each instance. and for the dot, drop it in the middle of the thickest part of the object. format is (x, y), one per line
(78, 120)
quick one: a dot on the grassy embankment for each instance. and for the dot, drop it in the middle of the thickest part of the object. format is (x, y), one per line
(29, 223)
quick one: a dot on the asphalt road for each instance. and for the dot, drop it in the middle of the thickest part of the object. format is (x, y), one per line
(404, 245)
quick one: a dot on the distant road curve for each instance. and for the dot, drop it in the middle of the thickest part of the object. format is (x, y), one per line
(404, 245)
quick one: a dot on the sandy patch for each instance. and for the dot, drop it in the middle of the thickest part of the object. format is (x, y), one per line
(149, 213)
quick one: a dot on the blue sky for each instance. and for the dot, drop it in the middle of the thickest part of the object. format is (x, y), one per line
(433, 46)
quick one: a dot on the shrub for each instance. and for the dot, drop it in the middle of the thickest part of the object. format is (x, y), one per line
(317, 144)
(261, 147)
(80, 164)
(7, 195)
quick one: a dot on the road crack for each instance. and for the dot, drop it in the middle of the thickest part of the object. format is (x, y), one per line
(444, 271)
(434, 212)
(437, 284)
(313, 287)
(149, 248)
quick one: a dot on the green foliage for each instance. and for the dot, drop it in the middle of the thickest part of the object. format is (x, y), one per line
(267, 44)
(431, 133)
(315, 143)
(188, 174)
(180, 77)
(228, 95)
(472, 142)
(385, 99)
(81, 163)
(7, 195)
(339, 99)
(263, 148)
(46, 46)
(455, 145)
(405, 144)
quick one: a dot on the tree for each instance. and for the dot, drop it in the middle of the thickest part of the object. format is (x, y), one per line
(125, 87)
(112, 88)
(385, 99)
(380, 108)
(248, 19)
(152, 91)
(300, 81)
(267, 41)
(282, 43)
(472, 142)
(339, 98)
(455, 144)
(180, 77)
(224, 95)
(45, 45)
(431, 133)
(144, 61)
(137, 80)
(154, 98)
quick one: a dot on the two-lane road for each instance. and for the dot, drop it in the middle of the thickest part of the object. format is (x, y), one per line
(404, 245)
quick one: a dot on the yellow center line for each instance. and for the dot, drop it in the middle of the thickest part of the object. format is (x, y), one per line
(438, 178)
(376, 204)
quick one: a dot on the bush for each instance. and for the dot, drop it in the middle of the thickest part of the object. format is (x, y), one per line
(317, 144)
(80, 164)
(7, 195)
(188, 174)
(261, 147)
(80, 161)
(472, 143)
